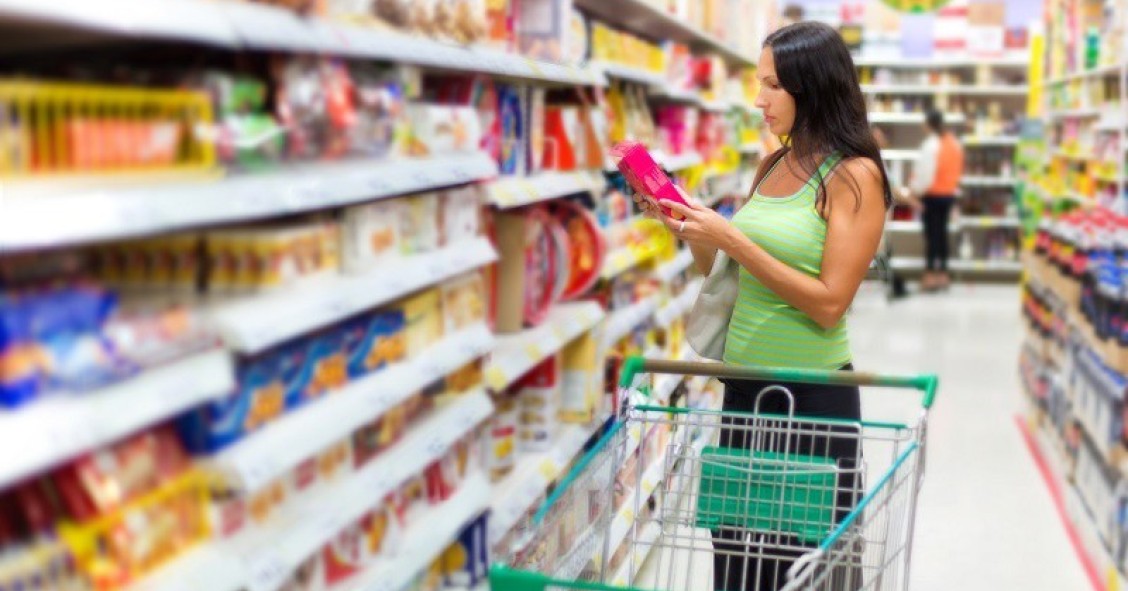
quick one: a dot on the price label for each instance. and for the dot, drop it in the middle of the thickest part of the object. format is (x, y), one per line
(496, 378)
(268, 571)
(435, 446)
(548, 469)
(534, 351)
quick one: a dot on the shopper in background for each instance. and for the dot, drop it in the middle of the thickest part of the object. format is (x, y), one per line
(804, 242)
(936, 178)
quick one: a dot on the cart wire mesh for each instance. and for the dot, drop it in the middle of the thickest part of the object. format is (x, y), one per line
(672, 497)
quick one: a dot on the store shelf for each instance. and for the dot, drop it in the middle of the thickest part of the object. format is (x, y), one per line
(900, 155)
(665, 384)
(173, 20)
(910, 118)
(622, 322)
(515, 495)
(989, 141)
(31, 209)
(262, 558)
(676, 162)
(508, 192)
(425, 542)
(516, 354)
(64, 425)
(267, 454)
(646, 19)
(1085, 113)
(959, 265)
(635, 499)
(252, 324)
(666, 271)
(963, 89)
(988, 181)
(1009, 61)
(679, 306)
(631, 74)
(624, 259)
(987, 221)
(1097, 72)
(646, 541)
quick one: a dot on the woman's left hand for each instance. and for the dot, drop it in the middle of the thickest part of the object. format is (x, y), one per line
(697, 224)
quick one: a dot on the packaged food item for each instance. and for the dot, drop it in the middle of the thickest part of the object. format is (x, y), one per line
(373, 341)
(645, 176)
(464, 302)
(382, 530)
(423, 320)
(246, 136)
(538, 395)
(542, 29)
(419, 224)
(499, 23)
(370, 234)
(501, 453)
(582, 380)
(471, 23)
(309, 576)
(465, 563)
(527, 280)
(326, 366)
(460, 214)
(464, 378)
(587, 248)
(534, 117)
(442, 129)
(374, 438)
(562, 123)
(514, 132)
(381, 124)
(344, 556)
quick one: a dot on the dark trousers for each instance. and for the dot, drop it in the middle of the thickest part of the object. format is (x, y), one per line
(937, 213)
(760, 565)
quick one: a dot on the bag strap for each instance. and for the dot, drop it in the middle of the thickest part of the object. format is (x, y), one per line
(766, 166)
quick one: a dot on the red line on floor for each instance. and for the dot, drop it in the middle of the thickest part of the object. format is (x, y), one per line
(1059, 505)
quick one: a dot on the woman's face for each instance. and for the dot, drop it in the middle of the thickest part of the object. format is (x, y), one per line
(778, 106)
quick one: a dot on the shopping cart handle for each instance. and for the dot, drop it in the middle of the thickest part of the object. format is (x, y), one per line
(632, 366)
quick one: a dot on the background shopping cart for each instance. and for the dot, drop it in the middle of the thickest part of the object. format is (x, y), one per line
(755, 498)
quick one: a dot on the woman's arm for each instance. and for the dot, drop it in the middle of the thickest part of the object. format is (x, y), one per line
(852, 237)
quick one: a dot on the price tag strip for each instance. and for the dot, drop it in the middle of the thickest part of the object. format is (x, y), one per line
(263, 558)
(516, 354)
(62, 426)
(252, 324)
(265, 455)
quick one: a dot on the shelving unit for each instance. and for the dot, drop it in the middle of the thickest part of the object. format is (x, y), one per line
(516, 354)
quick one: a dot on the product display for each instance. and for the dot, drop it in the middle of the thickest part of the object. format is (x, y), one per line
(315, 220)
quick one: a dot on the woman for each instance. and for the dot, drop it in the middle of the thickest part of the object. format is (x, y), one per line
(936, 180)
(804, 242)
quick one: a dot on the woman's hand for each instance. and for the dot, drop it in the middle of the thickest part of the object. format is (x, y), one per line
(699, 225)
(647, 207)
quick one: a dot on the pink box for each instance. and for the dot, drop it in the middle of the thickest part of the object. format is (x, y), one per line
(644, 174)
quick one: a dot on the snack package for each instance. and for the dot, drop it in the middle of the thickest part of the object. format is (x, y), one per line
(370, 234)
(538, 394)
(301, 106)
(423, 320)
(419, 224)
(514, 132)
(326, 366)
(309, 576)
(460, 214)
(344, 556)
(644, 174)
(534, 118)
(561, 142)
(464, 302)
(394, 12)
(373, 341)
(381, 122)
(442, 129)
(466, 561)
(582, 380)
(542, 29)
(471, 23)
(246, 136)
(501, 445)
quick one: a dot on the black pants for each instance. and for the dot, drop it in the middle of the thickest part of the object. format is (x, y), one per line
(736, 566)
(937, 212)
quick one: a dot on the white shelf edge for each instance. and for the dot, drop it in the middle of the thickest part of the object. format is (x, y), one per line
(899, 155)
(325, 513)
(514, 355)
(425, 542)
(622, 322)
(908, 118)
(988, 181)
(621, 260)
(666, 271)
(958, 89)
(139, 208)
(261, 558)
(680, 305)
(62, 426)
(959, 265)
(265, 455)
(252, 324)
(510, 192)
(515, 494)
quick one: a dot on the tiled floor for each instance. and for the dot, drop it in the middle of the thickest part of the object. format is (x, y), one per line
(986, 521)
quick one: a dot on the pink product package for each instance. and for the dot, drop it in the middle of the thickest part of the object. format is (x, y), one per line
(644, 174)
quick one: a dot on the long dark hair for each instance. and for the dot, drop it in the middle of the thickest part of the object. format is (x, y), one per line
(814, 66)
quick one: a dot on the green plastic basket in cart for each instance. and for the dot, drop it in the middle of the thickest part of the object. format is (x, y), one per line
(726, 494)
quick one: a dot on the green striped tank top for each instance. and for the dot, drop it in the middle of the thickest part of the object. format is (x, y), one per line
(765, 330)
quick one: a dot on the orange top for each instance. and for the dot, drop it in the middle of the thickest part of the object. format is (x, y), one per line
(949, 166)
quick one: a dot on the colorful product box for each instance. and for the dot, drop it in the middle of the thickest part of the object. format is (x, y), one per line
(373, 341)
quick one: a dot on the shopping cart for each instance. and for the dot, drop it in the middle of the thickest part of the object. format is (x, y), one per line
(762, 501)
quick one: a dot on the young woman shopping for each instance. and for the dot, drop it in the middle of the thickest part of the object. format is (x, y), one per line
(804, 242)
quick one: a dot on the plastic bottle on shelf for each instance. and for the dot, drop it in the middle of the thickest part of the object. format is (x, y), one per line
(966, 247)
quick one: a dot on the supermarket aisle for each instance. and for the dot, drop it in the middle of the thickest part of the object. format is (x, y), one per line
(986, 518)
